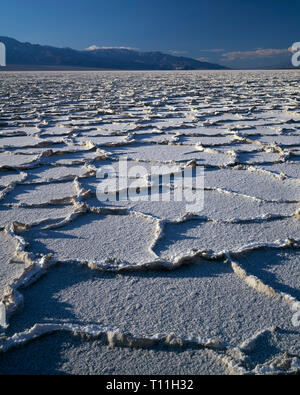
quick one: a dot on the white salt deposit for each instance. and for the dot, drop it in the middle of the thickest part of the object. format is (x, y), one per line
(152, 288)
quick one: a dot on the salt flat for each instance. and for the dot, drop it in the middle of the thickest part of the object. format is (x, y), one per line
(140, 286)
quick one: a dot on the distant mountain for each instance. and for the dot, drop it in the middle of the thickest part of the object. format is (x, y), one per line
(34, 56)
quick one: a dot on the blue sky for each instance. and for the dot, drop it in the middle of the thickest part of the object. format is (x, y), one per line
(231, 32)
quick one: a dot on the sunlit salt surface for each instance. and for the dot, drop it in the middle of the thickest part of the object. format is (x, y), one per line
(151, 287)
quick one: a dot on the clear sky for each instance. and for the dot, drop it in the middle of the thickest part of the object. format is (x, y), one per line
(218, 30)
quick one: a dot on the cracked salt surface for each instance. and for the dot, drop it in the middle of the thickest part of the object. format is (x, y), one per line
(150, 288)
(40, 194)
(8, 270)
(74, 355)
(278, 268)
(179, 239)
(93, 237)
(206, 300)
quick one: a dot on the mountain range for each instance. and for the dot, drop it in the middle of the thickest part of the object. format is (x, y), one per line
(34, 56)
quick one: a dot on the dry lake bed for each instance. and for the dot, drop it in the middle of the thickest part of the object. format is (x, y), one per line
(138, 286)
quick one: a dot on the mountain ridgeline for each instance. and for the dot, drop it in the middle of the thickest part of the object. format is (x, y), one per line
(26, 55)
